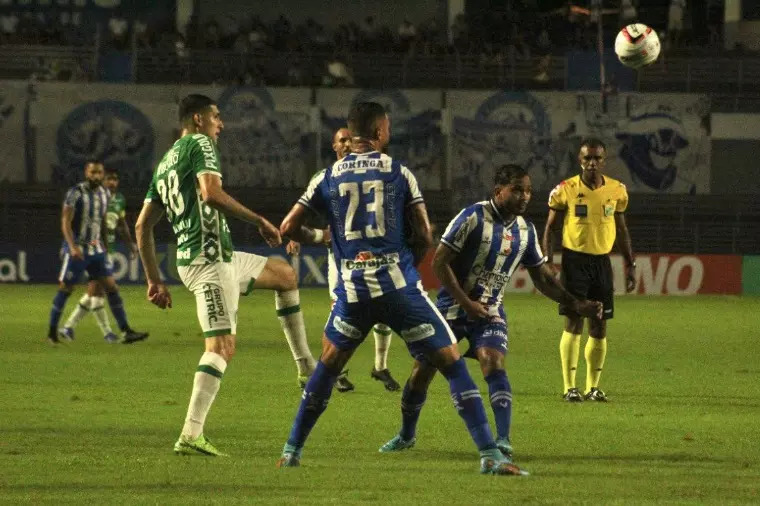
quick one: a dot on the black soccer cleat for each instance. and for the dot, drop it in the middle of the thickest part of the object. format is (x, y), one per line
(342, 384)
(573, 395)
(595, 395)
(53, 337)
(130, 336)
(385, 377)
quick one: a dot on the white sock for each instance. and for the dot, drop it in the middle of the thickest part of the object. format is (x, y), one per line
(291, 318)
(206, 384)
(383, 336)
(79, 312)
(97, 305)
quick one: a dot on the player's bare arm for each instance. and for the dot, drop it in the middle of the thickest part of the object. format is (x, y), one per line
(67, 216)
(422, 232)
(150, 214)
(126, 236)
(214, 196)
(623, 240)
(547, 284)
(293, 227)
(547, 242)
(442, 268)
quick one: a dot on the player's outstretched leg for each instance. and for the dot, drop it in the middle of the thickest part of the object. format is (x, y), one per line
(314, 401)
(382, 334)
(59, 302)
(208, 379)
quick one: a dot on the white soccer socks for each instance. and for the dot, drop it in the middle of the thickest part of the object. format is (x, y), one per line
(382, 334)
(289, 313)
(97, 306)
(79, 312)
(208, 378)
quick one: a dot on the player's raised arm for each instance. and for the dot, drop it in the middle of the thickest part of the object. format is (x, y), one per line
(151, 212)
(215, 197)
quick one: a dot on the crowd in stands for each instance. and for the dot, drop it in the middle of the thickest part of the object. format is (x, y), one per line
(518, 32)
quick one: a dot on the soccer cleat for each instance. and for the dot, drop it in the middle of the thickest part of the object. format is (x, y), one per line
(130, 336)
(397, 444)
(111, 338)
(573, 395)
(291, 457)
(342, 384)
(505, 448)
(385, 377)
(66, 334)
(198, 446)
(595, 395)
(53, 337)
(500, 467)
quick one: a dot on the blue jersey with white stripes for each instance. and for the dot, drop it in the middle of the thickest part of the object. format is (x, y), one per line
(90, 208)
(488, 252)
(365, 198)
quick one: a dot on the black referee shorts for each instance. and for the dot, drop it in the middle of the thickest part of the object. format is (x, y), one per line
(588, 277)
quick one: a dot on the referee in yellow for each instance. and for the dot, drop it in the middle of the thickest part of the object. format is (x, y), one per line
(593, 205)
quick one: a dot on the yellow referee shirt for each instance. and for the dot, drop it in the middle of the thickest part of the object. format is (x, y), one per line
(589, 225)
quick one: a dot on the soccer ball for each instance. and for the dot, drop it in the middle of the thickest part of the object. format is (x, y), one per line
(637, 45)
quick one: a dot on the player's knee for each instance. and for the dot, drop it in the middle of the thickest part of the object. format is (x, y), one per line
(422, 375)
(222, 345)
(288, 278)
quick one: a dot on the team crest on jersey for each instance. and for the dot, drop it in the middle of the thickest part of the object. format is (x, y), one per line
(609, 209)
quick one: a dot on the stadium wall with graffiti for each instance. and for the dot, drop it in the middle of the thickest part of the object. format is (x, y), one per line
(277, 137)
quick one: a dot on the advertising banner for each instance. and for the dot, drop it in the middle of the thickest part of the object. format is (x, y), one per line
(266, 141)
(655, 142)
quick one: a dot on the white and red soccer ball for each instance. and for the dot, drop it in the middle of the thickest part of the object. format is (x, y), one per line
(637, 45)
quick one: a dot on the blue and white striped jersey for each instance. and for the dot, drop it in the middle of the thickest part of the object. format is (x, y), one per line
(365, 199)
(90, 208)
(489, 250)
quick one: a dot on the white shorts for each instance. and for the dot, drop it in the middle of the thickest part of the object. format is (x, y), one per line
(332, 274)
(217, 288)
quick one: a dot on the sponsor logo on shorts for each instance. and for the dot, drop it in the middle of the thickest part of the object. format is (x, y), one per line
(214, 303)
(367, 260)
(346, 329)
(418, 333)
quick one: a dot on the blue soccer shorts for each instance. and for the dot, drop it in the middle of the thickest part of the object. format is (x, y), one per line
(408, 311)
(486, 333)
(96, 265)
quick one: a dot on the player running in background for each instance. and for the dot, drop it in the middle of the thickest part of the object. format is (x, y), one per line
(187, 186)
(382, 333)
(84, 210)
(366, 198)
(479, 251)
(94, 299)
(593, 205)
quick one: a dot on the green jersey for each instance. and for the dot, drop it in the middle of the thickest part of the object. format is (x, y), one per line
(203, 236)
(117, 208)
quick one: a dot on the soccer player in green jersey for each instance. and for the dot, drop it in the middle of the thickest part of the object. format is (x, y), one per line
(187, 186)
(94, 299)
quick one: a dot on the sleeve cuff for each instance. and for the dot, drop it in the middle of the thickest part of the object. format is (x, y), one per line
(418, 200)
(216, 173)
(306, 203)
(451, 246)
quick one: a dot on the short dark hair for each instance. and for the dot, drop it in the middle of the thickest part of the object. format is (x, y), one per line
(593, 142)
(193, 104)
(508, 173)
(362, 119)
(110, 171)
(93, 161)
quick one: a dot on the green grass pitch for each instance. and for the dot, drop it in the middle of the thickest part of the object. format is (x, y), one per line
(93, 423)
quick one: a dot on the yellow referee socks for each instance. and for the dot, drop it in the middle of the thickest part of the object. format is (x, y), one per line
(596, 350)
(569, 350)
